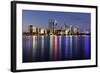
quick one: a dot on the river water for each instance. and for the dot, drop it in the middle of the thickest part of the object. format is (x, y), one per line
(56, 48)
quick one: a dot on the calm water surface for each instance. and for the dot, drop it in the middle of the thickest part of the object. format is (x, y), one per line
(56, 48)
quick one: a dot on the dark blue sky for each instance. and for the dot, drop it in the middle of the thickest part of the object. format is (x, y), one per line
(41, 19)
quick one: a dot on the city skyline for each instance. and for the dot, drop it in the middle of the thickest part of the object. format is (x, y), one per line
(55, 36)
(41, 19)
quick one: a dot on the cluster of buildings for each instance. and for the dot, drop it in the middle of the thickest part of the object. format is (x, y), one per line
(63, 30)
(53, 29)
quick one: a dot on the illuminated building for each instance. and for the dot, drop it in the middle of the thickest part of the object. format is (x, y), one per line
(65, 29)
(34, 29)
(52, 26)
(42, 31)
(73, 30)
(66, 32)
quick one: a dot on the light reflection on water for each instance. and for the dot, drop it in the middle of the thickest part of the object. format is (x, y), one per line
(56, 48)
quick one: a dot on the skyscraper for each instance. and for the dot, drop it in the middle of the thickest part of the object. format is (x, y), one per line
(52, 26)
(31, 29)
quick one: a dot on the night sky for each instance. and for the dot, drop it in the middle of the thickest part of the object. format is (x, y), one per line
(41, 19)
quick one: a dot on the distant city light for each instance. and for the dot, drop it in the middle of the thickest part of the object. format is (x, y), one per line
(53, 30)
(42, 31)
(66, 32)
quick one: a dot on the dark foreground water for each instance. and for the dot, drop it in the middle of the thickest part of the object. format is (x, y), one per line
(56, 48)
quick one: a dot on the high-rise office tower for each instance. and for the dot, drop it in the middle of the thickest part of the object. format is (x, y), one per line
(31, 29)
(52, 25)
